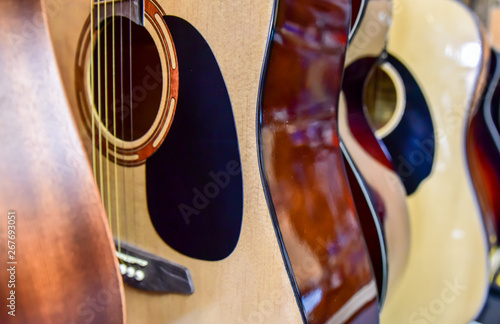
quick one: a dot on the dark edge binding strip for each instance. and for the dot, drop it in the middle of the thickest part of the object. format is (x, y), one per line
(359, 18)
(366, 192)
(267, 191)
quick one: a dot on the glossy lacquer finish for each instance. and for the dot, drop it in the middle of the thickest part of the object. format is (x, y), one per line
(483, 152)
(302, 163)
(446, 280)
(386, 190)
(357, 10)
(368, 208)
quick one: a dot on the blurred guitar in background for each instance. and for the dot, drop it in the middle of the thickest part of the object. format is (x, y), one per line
(484, 138)
(436, 65)
(483, 152)
(368, 40)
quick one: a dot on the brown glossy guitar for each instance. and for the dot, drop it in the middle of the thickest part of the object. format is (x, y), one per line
(164, 94)
(483, 154)
(58, 260)
(483, 151)
(301, 161)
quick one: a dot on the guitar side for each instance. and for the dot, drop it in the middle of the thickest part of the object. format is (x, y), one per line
(483, 152)
(64, 264)
(301, 163)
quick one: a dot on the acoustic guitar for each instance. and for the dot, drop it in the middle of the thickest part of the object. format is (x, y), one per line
(164, 95)
(492, 109)
(58, 260)
(301, 162)
(369, 153)
(483, 152)
(436, 63)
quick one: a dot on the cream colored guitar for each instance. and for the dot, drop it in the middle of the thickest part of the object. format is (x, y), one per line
(366, 45)
(436, 61)
(246, 285)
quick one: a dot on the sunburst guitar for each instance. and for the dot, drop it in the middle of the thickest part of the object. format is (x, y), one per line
(483, 153)
(164, 95)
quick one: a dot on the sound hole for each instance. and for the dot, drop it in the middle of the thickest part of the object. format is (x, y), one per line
(380, 98)
(129, 106)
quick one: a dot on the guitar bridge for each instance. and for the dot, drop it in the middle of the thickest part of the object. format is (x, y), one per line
(145, 271)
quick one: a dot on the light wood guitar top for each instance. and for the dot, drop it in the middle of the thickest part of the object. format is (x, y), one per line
(252, 283)
(447, 277)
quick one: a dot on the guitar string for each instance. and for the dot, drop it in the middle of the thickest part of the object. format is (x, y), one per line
(115, 165)
(131, 115)
(92, 88)
(99, 105)
(122, 118)
(106, 116)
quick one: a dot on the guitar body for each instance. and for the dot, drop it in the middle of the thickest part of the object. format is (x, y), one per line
(495, 25)
(367, 152)
(301, 162)
(483, 152)
(368, 208)
(446, 280)
(54, 235)
(247, 281)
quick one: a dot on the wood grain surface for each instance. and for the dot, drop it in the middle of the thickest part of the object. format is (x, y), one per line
(251, 285)
(66, 270)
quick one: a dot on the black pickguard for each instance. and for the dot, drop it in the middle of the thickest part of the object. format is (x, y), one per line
(411, 144)
(194, 180)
